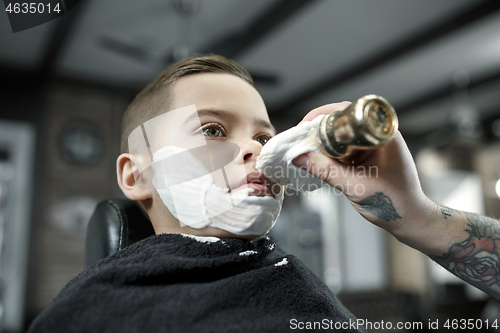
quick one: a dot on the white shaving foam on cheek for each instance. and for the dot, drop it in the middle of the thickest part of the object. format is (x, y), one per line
(199, 203)
(275, 159)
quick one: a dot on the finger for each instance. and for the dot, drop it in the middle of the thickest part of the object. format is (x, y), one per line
(321, 166)
(325, 109)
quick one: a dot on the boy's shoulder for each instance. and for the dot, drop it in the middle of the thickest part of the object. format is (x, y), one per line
(168, 282)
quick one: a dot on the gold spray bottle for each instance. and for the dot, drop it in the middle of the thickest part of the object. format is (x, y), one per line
(368, 123)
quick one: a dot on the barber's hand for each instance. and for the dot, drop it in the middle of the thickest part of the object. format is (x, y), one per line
(382, 184)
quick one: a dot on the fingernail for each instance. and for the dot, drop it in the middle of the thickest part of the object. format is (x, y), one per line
(301, 161)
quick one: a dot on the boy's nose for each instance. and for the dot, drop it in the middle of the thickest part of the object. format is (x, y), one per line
(250, 149)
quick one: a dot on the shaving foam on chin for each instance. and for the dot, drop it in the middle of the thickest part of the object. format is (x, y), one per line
(187, 189)
(275, 159)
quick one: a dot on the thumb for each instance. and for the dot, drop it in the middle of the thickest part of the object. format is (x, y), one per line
(302, 161)
(319, 165)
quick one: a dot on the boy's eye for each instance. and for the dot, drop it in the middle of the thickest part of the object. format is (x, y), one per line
(213, 130)
(263, 139)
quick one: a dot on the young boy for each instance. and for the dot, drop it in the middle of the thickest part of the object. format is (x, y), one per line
(225, 278)
(209, 269)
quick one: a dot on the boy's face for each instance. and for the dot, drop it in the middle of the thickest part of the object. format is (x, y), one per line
(228, 110)
(224, 118)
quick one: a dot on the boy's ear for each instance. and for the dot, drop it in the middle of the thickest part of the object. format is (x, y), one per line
(130, 180)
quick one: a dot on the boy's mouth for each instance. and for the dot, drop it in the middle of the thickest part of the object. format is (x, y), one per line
(257, 181)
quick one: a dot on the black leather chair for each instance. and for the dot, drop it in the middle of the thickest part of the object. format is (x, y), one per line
(115, 224)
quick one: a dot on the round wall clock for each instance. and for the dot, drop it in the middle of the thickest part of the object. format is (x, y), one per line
(81, 143)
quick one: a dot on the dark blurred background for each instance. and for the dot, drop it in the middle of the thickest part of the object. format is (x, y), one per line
(65, 84)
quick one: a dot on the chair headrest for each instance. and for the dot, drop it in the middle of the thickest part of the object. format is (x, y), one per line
(115, 224)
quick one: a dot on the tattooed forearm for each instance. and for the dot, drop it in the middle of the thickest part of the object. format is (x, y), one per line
(476, 259)
(381, 206)
(448, 212)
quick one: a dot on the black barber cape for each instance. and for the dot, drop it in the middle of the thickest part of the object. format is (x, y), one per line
(175, 283)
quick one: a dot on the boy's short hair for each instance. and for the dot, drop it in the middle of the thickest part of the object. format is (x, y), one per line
(155, 97)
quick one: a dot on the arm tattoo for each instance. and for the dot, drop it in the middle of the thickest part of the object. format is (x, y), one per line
(381, 206)
(476, 259)
(448, 212)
